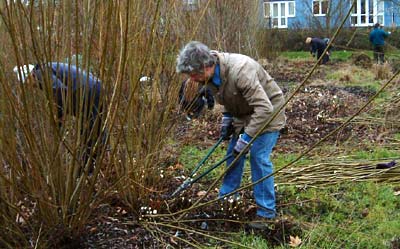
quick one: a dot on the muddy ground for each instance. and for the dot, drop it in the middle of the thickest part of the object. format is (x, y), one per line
(313, 112)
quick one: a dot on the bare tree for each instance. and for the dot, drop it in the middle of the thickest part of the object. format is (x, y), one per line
(326, 14)
(394, 10)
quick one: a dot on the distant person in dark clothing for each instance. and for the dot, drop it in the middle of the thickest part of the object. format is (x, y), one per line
(317, 46)
(193, 97)
(65, 78)
(377, 38)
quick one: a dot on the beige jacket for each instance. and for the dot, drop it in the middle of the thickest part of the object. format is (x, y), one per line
(249, 93)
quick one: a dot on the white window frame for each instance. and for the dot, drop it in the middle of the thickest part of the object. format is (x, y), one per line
(293, 8)
(319, 7)
(378, 11)
(269, 12)
(191, 4)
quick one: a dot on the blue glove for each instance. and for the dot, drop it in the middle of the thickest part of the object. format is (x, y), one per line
(226, 127)
(241, 143)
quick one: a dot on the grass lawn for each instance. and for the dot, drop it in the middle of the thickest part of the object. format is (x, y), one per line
(344, 215)
(337, 55)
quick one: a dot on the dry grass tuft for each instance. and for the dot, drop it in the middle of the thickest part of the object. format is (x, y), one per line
(382, 71)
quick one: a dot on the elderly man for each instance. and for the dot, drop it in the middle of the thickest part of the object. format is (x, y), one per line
(65, 78)
(250, 97)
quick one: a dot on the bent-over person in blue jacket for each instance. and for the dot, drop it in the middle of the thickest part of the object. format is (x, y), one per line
(317, 46)
(69, 85)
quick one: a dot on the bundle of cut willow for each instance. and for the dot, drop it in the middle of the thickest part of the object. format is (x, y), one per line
(334, 172)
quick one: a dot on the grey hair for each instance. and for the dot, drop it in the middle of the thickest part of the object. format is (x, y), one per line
(194, 57)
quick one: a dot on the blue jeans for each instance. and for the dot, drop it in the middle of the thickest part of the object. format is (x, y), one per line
(261, 165)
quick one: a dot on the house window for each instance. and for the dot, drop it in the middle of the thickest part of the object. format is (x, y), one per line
(367, 13)
(320, 7)
(267, 10)
(291, 9)
(277, 13)
(191, 4)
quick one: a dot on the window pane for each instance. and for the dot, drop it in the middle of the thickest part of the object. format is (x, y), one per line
(269, 22)
(315, 7)
(362, 19)
(380, 6)
(371, 7)
(192, 2)
(275, 10)
(267, 10)
(291, 8)
(275, 22)
(283, 10)
(325, 5)
(363, 10)
(354, 9)
(354, 20)
(380, 19)
(283, 21)
(371, 19)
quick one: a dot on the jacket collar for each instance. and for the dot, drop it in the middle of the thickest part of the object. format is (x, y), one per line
(216, 79)
(221, 61)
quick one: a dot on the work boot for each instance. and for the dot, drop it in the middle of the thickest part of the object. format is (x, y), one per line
(262, 223)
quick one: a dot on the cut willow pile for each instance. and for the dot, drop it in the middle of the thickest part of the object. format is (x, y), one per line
(336, 171)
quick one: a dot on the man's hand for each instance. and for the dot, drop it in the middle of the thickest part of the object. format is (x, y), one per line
(240, 145)
(226, 127)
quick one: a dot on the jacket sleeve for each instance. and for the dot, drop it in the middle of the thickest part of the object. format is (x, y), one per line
(57, 83)
(256, 97)
(58, 98)
(314, 47)
(58, 88)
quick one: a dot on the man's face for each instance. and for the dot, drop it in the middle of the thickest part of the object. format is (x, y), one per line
(204, 76)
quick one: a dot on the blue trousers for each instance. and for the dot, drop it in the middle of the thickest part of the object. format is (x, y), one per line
(261, 165)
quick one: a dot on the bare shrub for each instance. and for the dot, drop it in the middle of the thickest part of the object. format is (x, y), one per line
(362, 60)
(382, 71)
(46, 193)
(41, 165)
